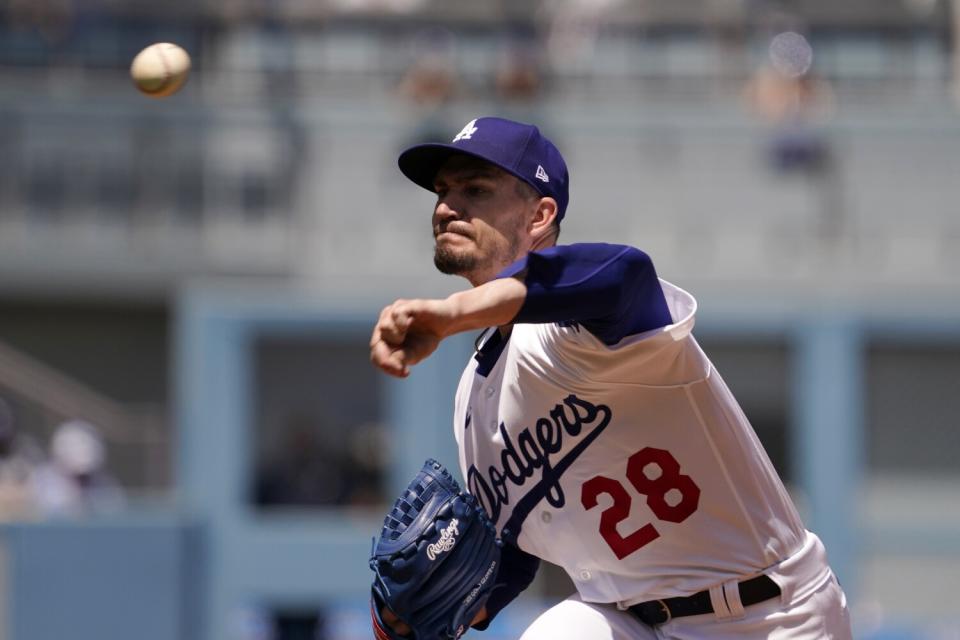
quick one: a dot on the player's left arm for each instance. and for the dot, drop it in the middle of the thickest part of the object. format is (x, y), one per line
(517, 570)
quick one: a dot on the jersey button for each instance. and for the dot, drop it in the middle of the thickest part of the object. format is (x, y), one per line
(585, 575)
(546, 517)
(490, 392)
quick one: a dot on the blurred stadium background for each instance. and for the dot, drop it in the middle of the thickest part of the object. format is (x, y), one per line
(192, 442)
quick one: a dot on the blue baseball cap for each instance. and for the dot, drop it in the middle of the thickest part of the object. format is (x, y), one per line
(517, 148)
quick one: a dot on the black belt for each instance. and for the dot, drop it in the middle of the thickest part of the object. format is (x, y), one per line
(654, 612)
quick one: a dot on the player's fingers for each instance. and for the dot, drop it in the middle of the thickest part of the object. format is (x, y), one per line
(389, 359)
(400, 361)
(394, 325)
(380, 355)
(399, 626)
(375, 337)
(480, 617)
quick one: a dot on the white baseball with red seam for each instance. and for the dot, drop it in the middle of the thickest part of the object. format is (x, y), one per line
(160, 70)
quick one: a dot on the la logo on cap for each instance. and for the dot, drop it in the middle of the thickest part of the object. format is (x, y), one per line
(467, 132)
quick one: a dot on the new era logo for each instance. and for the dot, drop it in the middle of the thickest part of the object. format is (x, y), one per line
(541, 174)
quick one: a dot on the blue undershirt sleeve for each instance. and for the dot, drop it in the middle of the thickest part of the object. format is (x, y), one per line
(517, 570)
(611, 290)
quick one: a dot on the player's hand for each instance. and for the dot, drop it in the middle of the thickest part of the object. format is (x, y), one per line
(399, 626)
(407, 332)
(402, 628)
(480, 617)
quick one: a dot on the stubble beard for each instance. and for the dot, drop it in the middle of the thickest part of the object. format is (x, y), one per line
(452, 263)
(468, 264)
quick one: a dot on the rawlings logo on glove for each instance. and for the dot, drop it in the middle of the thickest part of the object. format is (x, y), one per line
(436, 560)
(446, 541)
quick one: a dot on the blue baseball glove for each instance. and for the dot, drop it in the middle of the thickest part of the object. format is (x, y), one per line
(436, 560)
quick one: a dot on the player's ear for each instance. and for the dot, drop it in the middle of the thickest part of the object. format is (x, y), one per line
(543, 217)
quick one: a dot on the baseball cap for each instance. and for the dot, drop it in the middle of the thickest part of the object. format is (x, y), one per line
(517, 148)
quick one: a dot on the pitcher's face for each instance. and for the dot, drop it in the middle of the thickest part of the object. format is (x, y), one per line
(480, 219)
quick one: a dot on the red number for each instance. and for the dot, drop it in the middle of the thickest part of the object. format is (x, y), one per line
(666, 479)
(669, 479)
(614, 515)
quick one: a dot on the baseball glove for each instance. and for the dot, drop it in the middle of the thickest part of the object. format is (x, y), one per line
(436, 560)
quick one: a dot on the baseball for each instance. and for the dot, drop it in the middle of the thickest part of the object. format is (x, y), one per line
(160, 69)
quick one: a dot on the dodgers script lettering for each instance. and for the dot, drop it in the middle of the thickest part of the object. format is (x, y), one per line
(573, 417)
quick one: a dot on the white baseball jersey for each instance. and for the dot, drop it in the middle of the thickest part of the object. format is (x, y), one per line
(631, 465)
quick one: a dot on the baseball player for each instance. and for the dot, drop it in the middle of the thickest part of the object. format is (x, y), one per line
(591, 427)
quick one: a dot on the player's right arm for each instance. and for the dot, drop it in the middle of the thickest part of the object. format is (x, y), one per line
(409, 330)
(612, 290)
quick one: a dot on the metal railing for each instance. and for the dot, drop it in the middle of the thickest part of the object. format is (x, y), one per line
(138, 435)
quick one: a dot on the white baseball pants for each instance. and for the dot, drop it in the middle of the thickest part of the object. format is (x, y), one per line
(821, 615)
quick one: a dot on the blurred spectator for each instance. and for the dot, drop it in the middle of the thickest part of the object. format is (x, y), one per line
(277, 51)
(430, 84)
(574, 29)
(53, 20)
(788, 96)
(954, 10)
(258, 622)
(304, 472)
(75, 481)
(375, 7)
(18, 464)
(300, 624)
(251, 623)
(367, 457)
(430, 81)
(517, 77)
(307, 471)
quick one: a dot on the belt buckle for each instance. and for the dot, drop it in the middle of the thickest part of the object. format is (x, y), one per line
(666, 610)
